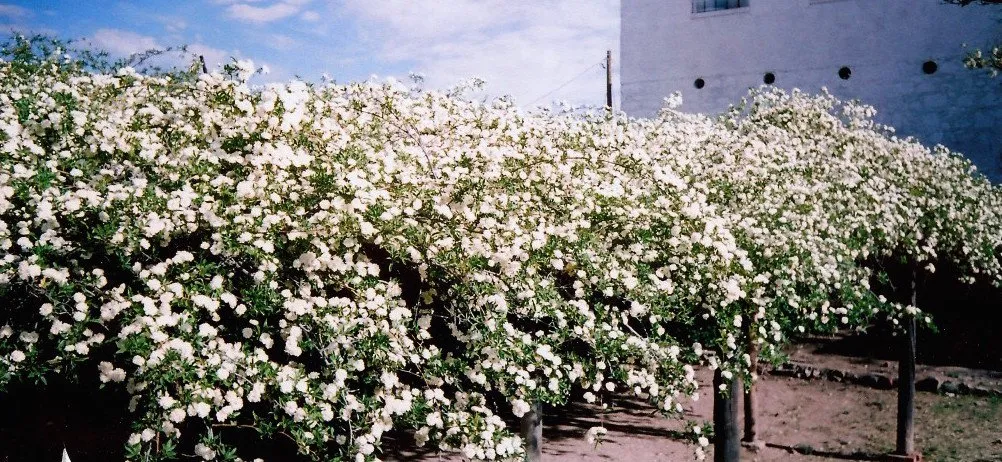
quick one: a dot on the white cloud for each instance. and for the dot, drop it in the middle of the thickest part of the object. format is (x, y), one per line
(173, 23)
(122, 42)
(264, 14)
(525, 49)
(230, 2)
(13, 11)
(281, 42)
(213, 56)
(310, 16)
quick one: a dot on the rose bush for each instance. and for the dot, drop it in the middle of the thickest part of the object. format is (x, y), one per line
(325, 263)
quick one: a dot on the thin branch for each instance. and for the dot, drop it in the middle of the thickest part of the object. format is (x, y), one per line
(251, 427)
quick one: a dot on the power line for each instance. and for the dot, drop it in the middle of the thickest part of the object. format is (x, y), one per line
(589, 68)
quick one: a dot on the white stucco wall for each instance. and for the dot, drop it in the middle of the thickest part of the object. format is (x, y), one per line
(665, 48)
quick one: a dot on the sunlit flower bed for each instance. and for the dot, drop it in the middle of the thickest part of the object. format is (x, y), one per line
(326, 263)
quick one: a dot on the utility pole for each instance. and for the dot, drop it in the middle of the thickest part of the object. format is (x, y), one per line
(201, 59)
(608, 79)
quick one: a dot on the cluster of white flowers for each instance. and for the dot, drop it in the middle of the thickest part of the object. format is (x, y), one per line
(595, 434)
(330, 263)
(991, 61)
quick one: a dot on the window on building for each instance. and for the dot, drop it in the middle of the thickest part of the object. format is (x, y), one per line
(703, 6)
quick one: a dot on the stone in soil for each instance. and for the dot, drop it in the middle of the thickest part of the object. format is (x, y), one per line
(753, 446)
(930, 384)
(879, 381)
(949, 386)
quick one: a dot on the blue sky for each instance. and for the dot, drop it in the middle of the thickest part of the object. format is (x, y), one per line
(526, 48)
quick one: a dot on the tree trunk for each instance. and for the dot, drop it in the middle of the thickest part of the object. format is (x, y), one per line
(726, 439)
(532, 432)
(906, 382)
(750, 435)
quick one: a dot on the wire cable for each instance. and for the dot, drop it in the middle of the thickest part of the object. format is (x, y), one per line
(589, 68)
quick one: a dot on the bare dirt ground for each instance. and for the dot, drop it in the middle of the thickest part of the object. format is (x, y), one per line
(829, 420)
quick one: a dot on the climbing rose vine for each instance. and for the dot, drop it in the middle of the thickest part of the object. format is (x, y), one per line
(327, 263)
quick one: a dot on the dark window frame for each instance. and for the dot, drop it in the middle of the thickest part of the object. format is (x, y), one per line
(709, 6)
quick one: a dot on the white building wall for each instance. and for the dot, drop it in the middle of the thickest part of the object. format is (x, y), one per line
(665, 48)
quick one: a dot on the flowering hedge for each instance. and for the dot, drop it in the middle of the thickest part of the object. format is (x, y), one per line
(325, 263)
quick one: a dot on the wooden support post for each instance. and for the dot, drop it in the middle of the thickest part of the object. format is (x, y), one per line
(750, 435)
(726, 437)
(532, 432)
(906, 382)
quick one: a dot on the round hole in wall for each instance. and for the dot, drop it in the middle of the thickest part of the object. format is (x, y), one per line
(930, 67)
(699, 83)
(844, 73)
(769, 78)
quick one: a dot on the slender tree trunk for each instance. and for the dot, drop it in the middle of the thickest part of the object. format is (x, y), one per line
(532, 432)
(726, 437)
(750, 434)
(906, 382)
